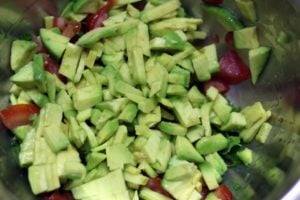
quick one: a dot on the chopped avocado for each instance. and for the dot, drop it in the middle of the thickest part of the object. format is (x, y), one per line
(151, 147)
(210, 52)
(253, 113)
(185, 150)
(22, 52)
(246, 38)
(107, 131)
(24, 77)
(211, 144)
(103, 32)
(263, 133)
(43, 153)
(129, 113)
(205, 118)
(117, 156)
(212, 196)
(111, 186)
(136, 179)
(164, 155)
(217, 162)
(245, 155)
(248, 134)
(200, 64)
(226, 18)
(54, 43)
(195, 133)
(222, 108)
(158, 12)
(94, 159)
(22, 131)
(70, 61)
(186, 114)
(182, 188)
(247, 8)
(209, 175)
(86, 6)
(258, 59)
(26, 155)
(236, 122)
(148, 194)
(172, 128)
(87, 97)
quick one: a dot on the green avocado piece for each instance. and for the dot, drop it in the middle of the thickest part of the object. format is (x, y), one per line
(209, 175)
(54, 43)
(246, 38)
(247, 8)
(186, 151)
(258, 59)
(87, 97)
(24, 77)
(211, 144)
(22, 52)
(86, 6)
(70, 61)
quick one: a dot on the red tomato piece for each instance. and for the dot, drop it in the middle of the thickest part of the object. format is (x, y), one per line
(52, 66)
(233, 70)
(60, 22)
(218, 84)
(213, 2)
(58, 195)
(68, 28)
(96, 20)
(229, 39)
(17, 115)
(155, 185)
(223, 193)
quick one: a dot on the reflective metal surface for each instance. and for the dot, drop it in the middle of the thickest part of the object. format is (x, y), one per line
(276, 167)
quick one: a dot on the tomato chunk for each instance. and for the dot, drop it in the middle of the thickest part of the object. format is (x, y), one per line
(155, 185)
(233, 70)
(68, 28)
(223, 193)
(96, 20)
(213, 2)
(17, 115)
(52, 66)
(58, 195)
(229, 39)
(218, 84)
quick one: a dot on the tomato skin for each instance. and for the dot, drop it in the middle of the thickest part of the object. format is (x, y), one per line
(96, 20)
(52, 66)
(218, 84)
(233, 70)
(229, 39)
(57, 195)
(17, 115)
(68, 28)
(213, 2)
(223, 193)
(155, 185)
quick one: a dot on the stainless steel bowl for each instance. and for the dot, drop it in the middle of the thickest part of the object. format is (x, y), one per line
(277, 164)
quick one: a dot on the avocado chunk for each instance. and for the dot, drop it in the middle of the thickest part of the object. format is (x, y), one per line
(247, 8)
(54, 43)
(186, 151)
(86, 6)
(209, 175)
(148, 194)
(245, 155)
(211, 144)
(111, 186)
(258, 59)
(27, 150)
(87, 97)
(172, 128)
(246, 38)
(70, 61)
(117, 156)
(24, 77)
(22, 52)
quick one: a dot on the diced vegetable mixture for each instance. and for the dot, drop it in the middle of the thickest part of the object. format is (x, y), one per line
(116, 100)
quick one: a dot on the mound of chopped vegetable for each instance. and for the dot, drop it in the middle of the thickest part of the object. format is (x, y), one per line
(113, 100)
